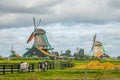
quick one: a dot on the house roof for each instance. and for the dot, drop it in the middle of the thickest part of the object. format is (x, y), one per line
(37, 51)
(44, 52)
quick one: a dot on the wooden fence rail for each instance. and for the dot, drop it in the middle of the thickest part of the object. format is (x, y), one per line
(14, 68)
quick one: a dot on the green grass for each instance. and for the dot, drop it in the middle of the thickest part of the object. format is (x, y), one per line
(61, 75)
(77, 62)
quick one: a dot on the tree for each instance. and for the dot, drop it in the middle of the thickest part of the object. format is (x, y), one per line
(75, 55)
(68, 53)
(55, 53)
(118, 57)
(1, 58)
(81, 53)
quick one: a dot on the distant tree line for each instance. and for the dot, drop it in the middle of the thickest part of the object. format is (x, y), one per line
(76, 56)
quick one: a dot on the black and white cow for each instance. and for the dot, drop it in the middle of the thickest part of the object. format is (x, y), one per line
(24, 66)
(43, 66)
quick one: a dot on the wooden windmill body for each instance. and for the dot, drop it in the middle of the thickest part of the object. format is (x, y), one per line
(98, 51)
(38, 39)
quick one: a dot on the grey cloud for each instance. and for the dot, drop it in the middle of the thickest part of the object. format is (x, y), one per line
(27, 6)
(20, 13)
(114, 3)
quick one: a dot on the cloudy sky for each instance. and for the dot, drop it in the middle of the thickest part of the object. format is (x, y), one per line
(69, 24)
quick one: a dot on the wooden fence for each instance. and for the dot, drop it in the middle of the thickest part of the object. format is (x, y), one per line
(14, 67)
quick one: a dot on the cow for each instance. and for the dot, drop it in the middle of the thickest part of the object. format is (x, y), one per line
(24, 66)
(43, 66)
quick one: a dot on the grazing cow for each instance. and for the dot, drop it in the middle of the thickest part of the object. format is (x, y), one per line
(24, 66)
(43, 66)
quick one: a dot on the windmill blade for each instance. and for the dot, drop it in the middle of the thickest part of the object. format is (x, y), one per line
(34, 23)
(94, 40)
(31, 37)
(38, 23)
(92, 48)
(12, 48)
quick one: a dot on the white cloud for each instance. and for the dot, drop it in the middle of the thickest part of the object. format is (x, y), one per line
(64, 37)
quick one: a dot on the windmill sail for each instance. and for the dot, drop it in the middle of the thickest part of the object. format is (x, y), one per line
(94, 39)
(31, 37)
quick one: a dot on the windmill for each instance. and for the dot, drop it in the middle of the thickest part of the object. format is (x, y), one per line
(98, 48)
(12, 51)
(40, 42)
(39, 36)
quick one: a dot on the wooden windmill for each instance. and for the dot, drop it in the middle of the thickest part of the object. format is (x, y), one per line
(98, 48)
(40, 42)
(40, 39)
(13, 53)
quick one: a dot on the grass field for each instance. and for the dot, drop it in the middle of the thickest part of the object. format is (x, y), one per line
(63, 74)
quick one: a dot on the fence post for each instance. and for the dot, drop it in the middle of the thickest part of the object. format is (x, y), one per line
(85, 74)
(61, 64)
(32, 67)
(50, 66)
(53, 65)
(3, 69)
(68, 64)
(18, 67)
(47, 65)
(11, 68)
(29, 68)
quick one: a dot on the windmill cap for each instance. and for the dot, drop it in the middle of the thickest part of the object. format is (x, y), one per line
(41, 31)
(98, 43)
